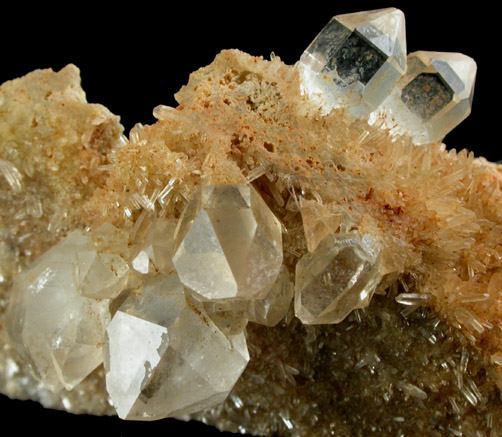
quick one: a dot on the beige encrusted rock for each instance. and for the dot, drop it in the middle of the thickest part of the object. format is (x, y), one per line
(422, 357)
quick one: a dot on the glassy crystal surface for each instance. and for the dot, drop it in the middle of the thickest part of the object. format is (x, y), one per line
(433, 97)
(355, 60)
(271, 309)
(156, 250)
(164, 356)
(51, 320)
(228, 243)
(338, 277)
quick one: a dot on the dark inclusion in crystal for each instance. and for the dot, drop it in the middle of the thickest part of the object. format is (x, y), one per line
(349, 54)
(426, 95)
(357, 60)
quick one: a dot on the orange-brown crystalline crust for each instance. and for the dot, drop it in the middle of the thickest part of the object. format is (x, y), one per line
(437, 213)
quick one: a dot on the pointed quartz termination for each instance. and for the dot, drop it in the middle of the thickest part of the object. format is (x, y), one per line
(156, 250)
(228, 243)
(58, 311)
(164, 356)
(338, 277)
(355, 60)
(433, 97)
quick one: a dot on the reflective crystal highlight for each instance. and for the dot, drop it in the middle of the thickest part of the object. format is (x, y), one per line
(355, 60)
(164, 356)
(433, 97)
(52, 321)
(228, 243)
(339, 276)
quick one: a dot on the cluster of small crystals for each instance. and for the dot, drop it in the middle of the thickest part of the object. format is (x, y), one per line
(359, 62)
(214, 215)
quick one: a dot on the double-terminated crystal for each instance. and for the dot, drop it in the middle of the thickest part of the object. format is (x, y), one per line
(433, 96)
(339, 276)
(358, 61)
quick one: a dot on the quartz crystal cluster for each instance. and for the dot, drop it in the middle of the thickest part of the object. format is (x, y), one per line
(274, 256)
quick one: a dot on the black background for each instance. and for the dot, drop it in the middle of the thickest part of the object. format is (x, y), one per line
(137, 57)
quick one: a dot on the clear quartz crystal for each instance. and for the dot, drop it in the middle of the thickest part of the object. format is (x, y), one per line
(338, 277)
(271, 309)
(228, 244)
(355, 60)
(433, 97)
(164, 356)
(156, 249)
(59, 310)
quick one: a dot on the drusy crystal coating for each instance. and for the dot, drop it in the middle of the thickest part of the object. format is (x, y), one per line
(228, 243)
(355, 60)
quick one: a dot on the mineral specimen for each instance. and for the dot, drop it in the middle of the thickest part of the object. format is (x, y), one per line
(172, 256)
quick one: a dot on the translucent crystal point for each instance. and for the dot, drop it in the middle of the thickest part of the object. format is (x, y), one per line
(228, 243)
(355, 60)
(339, 276)
(164, 356)
(51, 321)
(156, 250)
(433, 97)
(272, 308)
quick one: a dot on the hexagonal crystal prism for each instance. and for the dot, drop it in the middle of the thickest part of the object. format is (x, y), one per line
(433, 97)
(355, 60)
(51, 320)
(228, 243)
(164, 356)
(338, 277)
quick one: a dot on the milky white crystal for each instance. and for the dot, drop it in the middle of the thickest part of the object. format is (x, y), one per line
(164, 356)
(355, 60)
(433, 97)
(228, 243)
(339, 276)
(59, 310)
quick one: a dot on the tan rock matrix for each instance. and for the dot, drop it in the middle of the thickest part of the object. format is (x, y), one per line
(417, 350)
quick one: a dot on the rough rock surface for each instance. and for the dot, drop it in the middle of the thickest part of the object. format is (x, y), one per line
(424, 355)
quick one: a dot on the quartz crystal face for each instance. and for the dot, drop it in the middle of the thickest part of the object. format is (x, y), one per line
(164, 356)
(272, 308)
(59, 311)
(338, 277)
(228, 243)
(433, 97)
(156, 250)
(355, 60)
